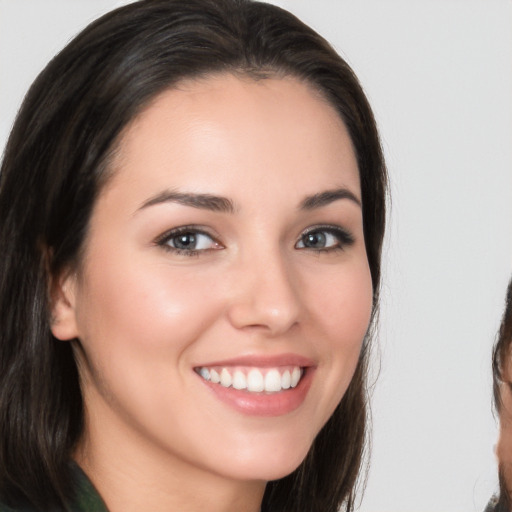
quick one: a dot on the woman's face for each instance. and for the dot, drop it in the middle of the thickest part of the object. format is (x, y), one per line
(228, 245)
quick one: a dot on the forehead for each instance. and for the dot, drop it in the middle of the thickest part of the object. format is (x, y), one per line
(224, 123)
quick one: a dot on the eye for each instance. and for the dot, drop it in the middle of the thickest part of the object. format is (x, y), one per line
(325, 238)
(188, 241)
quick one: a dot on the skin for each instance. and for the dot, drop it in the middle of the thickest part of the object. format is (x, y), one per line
(504, 445)
(156, 437)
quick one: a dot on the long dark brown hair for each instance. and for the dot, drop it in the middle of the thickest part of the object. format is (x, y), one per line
(57, 160)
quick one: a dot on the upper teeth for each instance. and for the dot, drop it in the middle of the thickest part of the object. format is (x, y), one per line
(255, 380)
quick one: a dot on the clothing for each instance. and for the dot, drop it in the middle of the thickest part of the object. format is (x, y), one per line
(87, 497)
(496, 504)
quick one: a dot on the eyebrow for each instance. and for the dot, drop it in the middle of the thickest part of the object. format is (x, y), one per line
(201, 201)
(329, 196)
(225, 205)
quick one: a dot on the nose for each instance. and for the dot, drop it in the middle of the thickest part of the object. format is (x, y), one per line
(265, 295)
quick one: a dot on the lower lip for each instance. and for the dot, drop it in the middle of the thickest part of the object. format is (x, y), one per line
(264, 404)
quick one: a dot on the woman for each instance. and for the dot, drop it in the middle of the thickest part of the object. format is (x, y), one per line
(192, 208)
(503, 401)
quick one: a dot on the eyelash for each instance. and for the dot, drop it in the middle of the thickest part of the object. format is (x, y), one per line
(163, 240)
(343, 237)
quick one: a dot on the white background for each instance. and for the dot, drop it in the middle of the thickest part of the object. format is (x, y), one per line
(439, 76)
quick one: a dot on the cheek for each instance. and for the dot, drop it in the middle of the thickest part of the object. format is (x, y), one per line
(138, 323)
(343, 304)
(142, 310)
(504, 453)
(504, 446)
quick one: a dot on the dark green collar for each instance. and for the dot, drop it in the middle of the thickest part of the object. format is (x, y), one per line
(87, 497)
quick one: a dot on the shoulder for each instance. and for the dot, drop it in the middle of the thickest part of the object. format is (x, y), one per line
(86, 498)
(5, 508)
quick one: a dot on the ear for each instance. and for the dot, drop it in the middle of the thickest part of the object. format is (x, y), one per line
(63, 322)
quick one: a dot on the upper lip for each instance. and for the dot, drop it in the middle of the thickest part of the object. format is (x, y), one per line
(263, 361)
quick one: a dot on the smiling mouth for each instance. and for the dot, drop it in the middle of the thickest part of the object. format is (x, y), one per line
(253, 380)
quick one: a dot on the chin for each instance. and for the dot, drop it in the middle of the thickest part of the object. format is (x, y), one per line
(267, 464)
